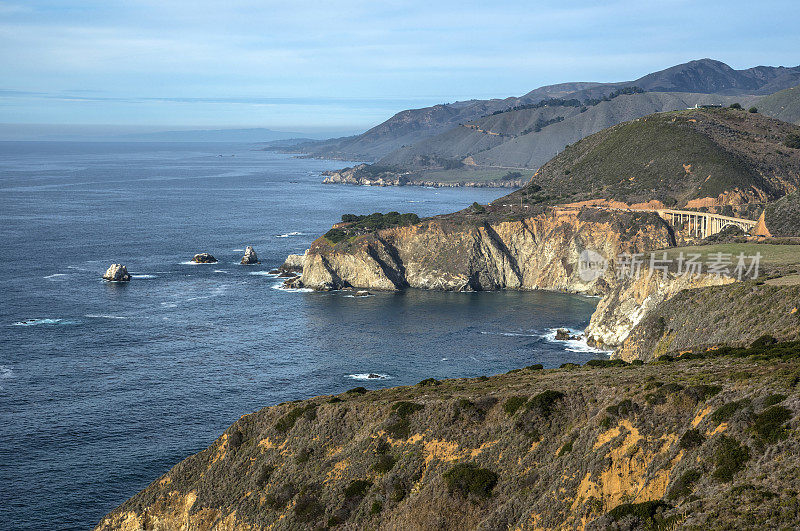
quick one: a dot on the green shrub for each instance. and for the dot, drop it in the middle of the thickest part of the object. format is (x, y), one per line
(752, 110)
(382, 447)
(405, 409)
(286, 422)
(357, 488)
(605, 423)
(303, 456)
(335, 400)
(771, 400)
(647, 514)
(376, 508)
(729, 458)
(792, 141)
(478, 208)
(700, 393)
(769, 425)
(385, 463)
(606, 363)
(535, 367)
(544, 402)
(683, 485)
(467, 478)
(623, 408)
(568, 366)
(513, 403)
(429, 381)
(336, 235)
(691, 439)
(764, 341)
(726, 411)
(357, 391)
(308, 508)
(567, 447)
(399, 429)
(263, 475)
(736, 105)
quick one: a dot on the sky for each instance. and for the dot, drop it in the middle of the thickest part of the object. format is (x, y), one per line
(341, 66)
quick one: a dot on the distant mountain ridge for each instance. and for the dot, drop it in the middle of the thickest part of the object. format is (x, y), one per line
(702, 78)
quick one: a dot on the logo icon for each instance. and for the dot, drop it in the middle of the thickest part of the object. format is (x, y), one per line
(591, 265)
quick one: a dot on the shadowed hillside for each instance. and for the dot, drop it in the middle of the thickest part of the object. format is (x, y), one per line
(704, 76)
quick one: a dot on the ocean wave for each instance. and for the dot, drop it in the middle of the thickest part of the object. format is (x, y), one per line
(238, 250)
(6, 372)
(573, 345)
(103, 316)
(146, 277)
(369, 376)
(35, 322)
(263, 274)
(169, 305)
(513, 334)
(289, 234)
(220, 271)
(56, 277)
(281, 287)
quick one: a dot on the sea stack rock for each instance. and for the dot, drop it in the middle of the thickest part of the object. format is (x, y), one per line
(250, 257)
(204, 258)
(117, 273)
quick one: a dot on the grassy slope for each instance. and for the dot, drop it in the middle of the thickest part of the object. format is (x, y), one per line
(783, 216)
(783, 105)
(615, 436)
(673, 157)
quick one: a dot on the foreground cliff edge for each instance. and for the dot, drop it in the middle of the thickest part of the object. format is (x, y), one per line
(706, 442)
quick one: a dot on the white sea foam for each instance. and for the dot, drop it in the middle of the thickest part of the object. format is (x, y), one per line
(56, 276)
(281, 287)
(6, 372)
(145, 277)
(238, 250)
(513, 334)
(573, 345)
(103, 316)
(289, 234)
(35, 322)
(220, 271)
(369, 376)
(263, 274)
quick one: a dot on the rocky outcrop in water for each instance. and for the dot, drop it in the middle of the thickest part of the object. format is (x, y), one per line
(250, 257)
(204, 258)
(117, 273)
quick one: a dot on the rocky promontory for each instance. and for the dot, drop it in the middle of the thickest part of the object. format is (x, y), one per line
(367, 175)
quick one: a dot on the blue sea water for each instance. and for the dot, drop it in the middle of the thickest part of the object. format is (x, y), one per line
(103, 387)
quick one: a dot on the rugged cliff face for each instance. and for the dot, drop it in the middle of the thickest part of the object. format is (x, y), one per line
(697, 444)
(366, 175)
(539, 252)
(631, 299)
(733, 314)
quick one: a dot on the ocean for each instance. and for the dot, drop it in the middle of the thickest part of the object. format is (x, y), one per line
(105, 386)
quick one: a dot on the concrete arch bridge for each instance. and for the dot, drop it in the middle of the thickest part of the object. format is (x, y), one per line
(704, 224)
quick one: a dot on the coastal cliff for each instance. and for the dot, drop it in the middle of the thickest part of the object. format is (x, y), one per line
(702, 443)
(537, 252)
(366, 175)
